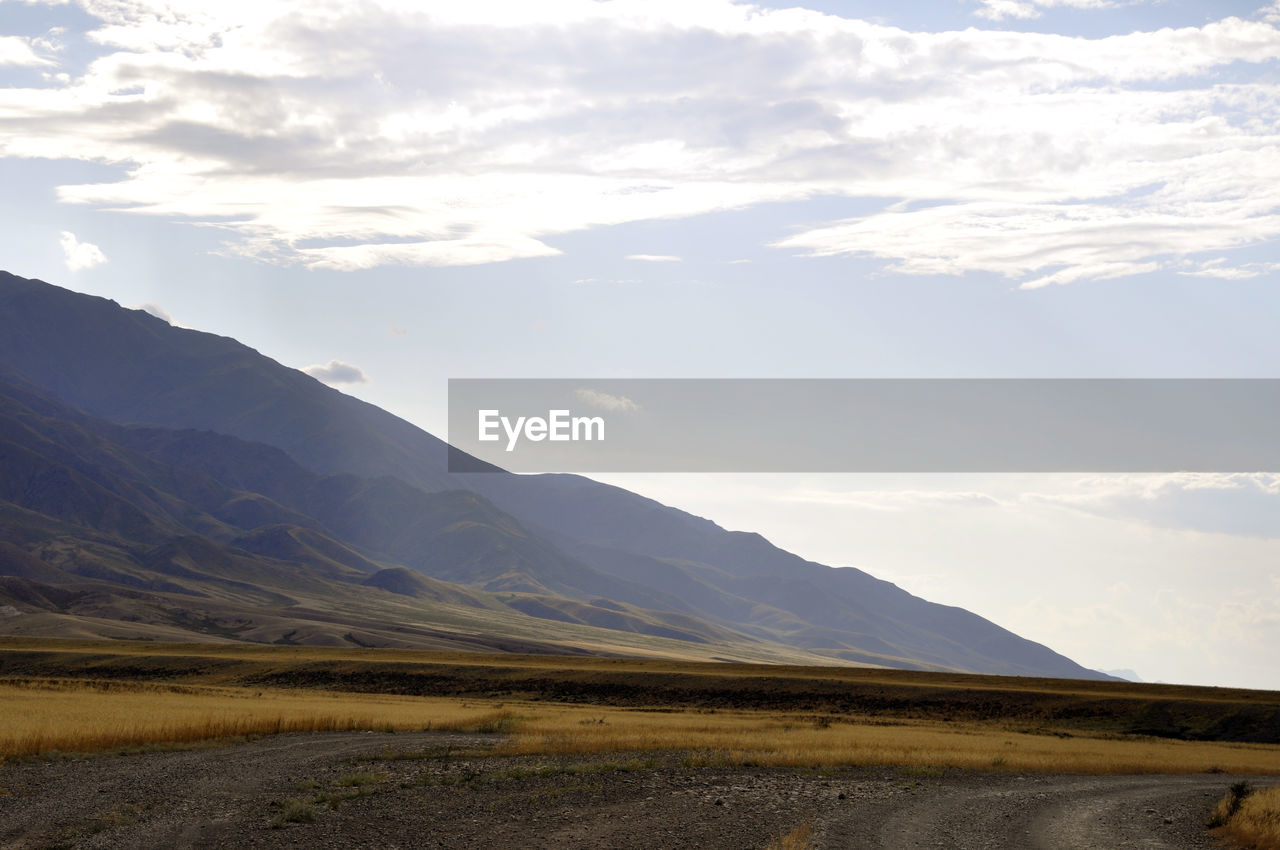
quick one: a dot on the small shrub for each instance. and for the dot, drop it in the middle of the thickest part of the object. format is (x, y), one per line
(360, 779)
(333, 799)
(932, 771)
(495, 724)
(1254, 821)
(800, 838)
(294, 811)
(1230, 804)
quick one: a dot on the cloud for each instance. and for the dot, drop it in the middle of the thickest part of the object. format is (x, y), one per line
(893, 500)
(18, 51)
(336, 372)
(606, 401)
(346, 138)
(997, 10)
(1242, 504)
(80, 255)
(1219, 268)
(654, 258)
(157, 311)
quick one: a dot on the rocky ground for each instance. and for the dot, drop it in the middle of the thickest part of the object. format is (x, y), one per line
(352, 790)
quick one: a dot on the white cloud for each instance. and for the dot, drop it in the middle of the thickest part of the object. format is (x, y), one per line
(605, 401)
(892, 500)
(80, 255)
(18, 51)
(1219, 268)
(157, 311)
(1015, 240)
(336, 372)
(452, 134)
(654, 258)
(997, 10)
(1243, 504)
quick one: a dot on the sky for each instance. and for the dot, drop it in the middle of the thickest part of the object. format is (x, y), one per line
(392, 194)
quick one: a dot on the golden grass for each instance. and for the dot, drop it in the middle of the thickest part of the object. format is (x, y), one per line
(1252, 820)
(800, 838)
(40, 716)
(44, 716)
(778, 739)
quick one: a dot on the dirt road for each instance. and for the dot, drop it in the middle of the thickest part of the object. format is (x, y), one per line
(354, 790)
(1040, 811)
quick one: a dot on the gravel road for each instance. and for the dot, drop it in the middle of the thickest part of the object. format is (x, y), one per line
(353, 790)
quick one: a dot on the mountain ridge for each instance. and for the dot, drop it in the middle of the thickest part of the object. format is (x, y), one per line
(367, 477)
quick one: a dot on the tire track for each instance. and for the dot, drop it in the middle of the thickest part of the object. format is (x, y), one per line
(1042, 812)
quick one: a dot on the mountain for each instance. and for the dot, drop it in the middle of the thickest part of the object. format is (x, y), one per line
(230, 466)
(119, 531)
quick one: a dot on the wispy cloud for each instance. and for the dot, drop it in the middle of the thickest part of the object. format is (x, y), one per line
(997, 10)
(893, 500)
(1219, 267)
(605, 401)
(157, 311)
(80, 255)
(340, 137)
(654, 258)
(1243, 504)
(337, 372)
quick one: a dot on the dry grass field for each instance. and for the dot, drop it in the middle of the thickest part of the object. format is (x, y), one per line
(42, 716)
(791, 740)
(86, 697)
(1250, 818)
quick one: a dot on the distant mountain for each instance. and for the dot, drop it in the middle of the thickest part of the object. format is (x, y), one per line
(180, 461)
(1126, 674)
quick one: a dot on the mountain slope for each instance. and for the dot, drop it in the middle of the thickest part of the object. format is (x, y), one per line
(98, 536)
(574, 539)
(129, 366)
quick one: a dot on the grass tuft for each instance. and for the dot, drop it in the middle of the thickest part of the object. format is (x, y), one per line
(294, 811)
(800, 838)
(1248, 818)
(494, 723)
(1230, 804)
(361, 779)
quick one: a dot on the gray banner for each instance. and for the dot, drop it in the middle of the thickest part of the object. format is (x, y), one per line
(888, 425)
